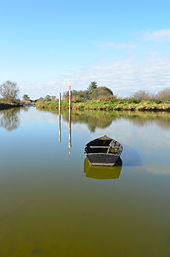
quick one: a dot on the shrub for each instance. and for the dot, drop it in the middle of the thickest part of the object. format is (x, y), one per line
(164, 94)
(100, 92)
(141, 95)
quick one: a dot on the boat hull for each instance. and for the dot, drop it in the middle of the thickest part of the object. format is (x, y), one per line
(102, 159)
(103, 151)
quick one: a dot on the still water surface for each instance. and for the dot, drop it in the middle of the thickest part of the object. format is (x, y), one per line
(53, 204)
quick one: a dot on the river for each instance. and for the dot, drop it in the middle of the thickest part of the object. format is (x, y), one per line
(53, 204)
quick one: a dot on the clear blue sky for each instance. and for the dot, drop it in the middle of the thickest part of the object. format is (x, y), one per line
(47, 44)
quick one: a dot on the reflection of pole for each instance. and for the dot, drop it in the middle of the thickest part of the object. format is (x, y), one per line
(69, 137)
(59, 117)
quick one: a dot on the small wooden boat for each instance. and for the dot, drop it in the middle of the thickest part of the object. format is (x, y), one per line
(102, 172)
(103, 151)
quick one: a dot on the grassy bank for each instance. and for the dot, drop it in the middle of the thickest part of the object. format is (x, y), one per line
(9, 105)
(117, 105)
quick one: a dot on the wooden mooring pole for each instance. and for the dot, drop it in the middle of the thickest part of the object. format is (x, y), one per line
(69, 97)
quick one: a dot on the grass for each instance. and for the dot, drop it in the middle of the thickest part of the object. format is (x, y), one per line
(116, 104)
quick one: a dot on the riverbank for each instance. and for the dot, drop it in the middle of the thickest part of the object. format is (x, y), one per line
(116, 105)
(5, 106)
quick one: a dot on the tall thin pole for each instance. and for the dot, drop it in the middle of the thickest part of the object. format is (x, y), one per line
(69, 137)
(59, 117)
(69, 95)
(59, 104)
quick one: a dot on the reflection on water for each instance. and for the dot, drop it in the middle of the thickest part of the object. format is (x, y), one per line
(51, 208)
(102, 172)
(9, 119)
(69, 134)
(131, 157)
(100, 119)
(59, 127)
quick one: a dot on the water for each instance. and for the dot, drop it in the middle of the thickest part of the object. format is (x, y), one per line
(53, 204)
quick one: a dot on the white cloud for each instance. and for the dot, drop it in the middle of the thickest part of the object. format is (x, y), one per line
(121, 45)
(143, 67)
(158, 35)
(36, 89)
(123, 76)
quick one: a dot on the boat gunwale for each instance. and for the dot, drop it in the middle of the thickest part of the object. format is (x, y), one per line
(103, 154)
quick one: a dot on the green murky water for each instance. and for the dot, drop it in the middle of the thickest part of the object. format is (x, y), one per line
(52, 203)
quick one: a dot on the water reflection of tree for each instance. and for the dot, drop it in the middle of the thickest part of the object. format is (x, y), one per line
(100, 119)
(142, 119)
(9, 119)
(92, 119)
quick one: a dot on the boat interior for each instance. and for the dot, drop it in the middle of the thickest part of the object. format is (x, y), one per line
(100, 146)
(98, 142)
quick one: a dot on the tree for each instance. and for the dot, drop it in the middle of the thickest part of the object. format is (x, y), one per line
(53, 97)
(92, 86)
(26, 98)
(77, 95)
(47, 98)
(9, 91)
(101, 92)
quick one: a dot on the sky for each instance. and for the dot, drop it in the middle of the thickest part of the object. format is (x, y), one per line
(47, 45)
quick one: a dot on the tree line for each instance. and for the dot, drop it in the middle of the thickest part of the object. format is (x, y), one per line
(92, 92)
(96, 92)
(9, 92)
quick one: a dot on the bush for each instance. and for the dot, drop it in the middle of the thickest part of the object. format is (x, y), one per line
(100, 92)
(142, 95)
(164, 94)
